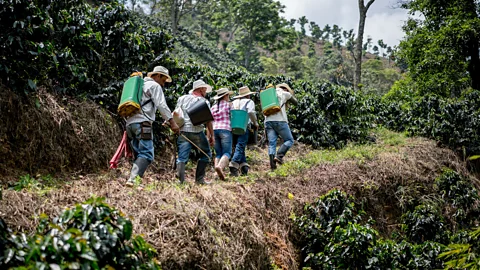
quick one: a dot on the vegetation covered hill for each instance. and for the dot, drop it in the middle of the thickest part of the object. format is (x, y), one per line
(62, 67)
(246, 222)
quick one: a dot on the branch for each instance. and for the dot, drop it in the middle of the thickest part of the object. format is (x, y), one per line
(369, 4)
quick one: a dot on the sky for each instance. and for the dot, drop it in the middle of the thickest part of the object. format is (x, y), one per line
(384, 19)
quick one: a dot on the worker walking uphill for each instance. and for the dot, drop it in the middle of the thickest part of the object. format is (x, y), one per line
(139, 125)
(192, 135)
(243, 102)
(277, 125)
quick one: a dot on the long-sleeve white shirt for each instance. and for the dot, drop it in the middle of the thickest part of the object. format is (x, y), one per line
(151, 90)
(281, 116)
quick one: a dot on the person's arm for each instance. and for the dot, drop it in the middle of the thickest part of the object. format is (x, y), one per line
(210, 134)
(160, 102)
(252, 114)
(290, 98)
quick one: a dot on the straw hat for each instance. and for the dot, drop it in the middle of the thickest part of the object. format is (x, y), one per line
(244, 91)
(222, 92)
(160, 70)
(199, 84)
(286, 86)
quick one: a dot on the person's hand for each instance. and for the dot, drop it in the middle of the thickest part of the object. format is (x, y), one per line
(255, 127)
(174, 127)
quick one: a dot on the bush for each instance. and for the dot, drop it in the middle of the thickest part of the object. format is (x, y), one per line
(90, 236)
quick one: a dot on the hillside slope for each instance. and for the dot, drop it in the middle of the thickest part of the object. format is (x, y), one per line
(244, 223)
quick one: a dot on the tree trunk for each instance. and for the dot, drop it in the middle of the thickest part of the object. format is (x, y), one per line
(174, 16)
(357, 78)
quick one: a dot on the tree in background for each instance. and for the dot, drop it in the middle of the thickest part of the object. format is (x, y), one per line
(362, 8)
(315, 30)
(442, 49)
(303, 21)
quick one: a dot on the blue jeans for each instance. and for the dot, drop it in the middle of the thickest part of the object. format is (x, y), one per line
(185, 146)
(239, 155)
(275, 129)
(141, 148)
(223, 143)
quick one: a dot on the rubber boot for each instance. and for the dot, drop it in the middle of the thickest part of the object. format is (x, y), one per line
(181, 172)
(200, 172)
(233, 169)
(244, 168)
(138, 169)
(273, 166)
(281, 153)
(220, 166)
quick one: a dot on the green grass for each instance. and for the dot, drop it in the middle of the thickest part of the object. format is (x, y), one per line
(359, 152)
(39, 184)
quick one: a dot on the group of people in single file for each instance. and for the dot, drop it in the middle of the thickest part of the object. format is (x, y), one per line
(217, 133)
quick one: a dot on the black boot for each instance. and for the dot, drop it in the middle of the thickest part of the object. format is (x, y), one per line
(244, 170)
(181, 172)
(273, 166)
(233, 166)
(200, 172)
(280, 154)
(233, 171)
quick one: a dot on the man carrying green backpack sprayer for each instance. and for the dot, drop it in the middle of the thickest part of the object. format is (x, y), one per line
(140, 100)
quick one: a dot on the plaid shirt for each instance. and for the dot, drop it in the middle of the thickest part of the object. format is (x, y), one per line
(221, 115)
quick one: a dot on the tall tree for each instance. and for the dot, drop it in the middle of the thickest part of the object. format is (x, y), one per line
(302, 21)
(257, 22)
(173, 10)
(315, 30)
(326, 32)
(362, 8)
(442, 49)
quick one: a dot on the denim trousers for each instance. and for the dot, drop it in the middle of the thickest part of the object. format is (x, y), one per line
(223, 143)
(239, 155)
(184, 146)
(275, 129)
(141, 148)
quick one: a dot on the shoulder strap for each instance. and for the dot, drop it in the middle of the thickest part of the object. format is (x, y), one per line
(245, 106)
(146, 102)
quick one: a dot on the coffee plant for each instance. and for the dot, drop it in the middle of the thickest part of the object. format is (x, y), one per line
(336, 237)
(92, 235)
(461, 196)
(72, 46)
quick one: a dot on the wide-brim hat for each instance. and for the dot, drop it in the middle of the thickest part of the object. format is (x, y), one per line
(222, 92)
(199, 83)
(160, 70)
(244, 91)
(286, 86)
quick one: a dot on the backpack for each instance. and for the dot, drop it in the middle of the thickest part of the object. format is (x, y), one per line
(131, 96)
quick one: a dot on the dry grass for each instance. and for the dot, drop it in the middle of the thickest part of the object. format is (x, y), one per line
(241, 223)
(45, 133)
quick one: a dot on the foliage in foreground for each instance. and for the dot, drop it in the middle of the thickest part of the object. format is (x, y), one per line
(431, 236)
(91, 235)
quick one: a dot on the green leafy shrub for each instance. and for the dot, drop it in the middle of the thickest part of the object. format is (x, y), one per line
(330, 115)
(453, 122)
(72, 46)
(424, 224)
(90, 236)
(463, 255)
(461, 195)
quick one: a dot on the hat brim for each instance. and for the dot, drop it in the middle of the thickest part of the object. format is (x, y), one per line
(222, 95)
(169, 79)
(209, 88)
(244, 95)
